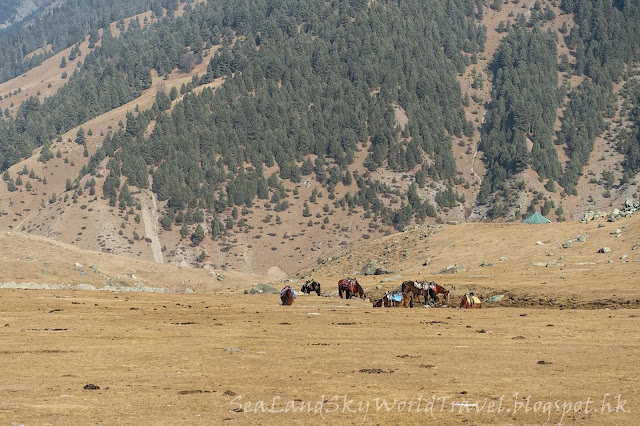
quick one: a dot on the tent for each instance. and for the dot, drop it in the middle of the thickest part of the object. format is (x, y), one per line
(536, 218)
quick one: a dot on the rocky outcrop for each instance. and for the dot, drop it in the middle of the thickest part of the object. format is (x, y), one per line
(453, 269)
(373, 267)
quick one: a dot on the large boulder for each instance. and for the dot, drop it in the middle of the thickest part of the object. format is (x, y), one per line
(373, 267)
(262, 289)
(453, 269)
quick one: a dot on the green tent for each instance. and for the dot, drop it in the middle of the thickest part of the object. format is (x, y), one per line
(536, 218)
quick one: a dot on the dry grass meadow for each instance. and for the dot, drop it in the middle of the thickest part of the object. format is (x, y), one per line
(565, 334)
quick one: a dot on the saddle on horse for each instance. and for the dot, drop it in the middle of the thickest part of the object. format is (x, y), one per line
(393, 297)
(293, 292)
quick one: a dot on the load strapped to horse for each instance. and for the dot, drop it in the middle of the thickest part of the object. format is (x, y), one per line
(392, 299)
(287, 296)
(471, 301)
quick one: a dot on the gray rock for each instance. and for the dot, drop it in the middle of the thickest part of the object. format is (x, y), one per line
(610, 261)
(539, 264)
(582, 238)
(495, 298)
(486, 264)
(453, 269)
(503, 259)
(231, 349)
(624, 256)
(373, 267)
(262, 289)
(567, 244)
(550, 254)
(539, 243)
(635, 247)
(426, 262)
(604, 250)
(616, 231)
(588, 216)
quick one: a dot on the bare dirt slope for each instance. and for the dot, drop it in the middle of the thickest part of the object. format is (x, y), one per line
(31, 259)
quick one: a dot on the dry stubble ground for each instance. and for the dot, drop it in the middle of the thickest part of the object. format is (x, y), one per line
(172, 358)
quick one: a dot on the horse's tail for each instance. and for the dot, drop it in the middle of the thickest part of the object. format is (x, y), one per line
(411, 301)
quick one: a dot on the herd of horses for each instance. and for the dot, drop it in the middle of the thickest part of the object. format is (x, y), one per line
(350, 287)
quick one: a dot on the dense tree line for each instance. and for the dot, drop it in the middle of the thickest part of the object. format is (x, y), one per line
(524, 101)
(60, 27)
(525, 95)
(307, 78)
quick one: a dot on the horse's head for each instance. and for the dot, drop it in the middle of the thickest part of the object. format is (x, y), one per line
(358, 289)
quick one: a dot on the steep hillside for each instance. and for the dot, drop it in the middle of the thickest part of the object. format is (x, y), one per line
(261, 139)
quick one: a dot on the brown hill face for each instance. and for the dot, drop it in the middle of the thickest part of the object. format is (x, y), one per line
(280, 242)
(41, 261)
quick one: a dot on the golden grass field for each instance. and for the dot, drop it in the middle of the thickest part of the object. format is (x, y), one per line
(565, 334)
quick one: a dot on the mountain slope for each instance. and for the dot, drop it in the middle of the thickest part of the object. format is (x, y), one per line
(284, 136)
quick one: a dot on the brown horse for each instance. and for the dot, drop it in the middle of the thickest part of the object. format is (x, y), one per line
(348, 287)
(389, 300)
(311, 285)
(417, 290)
(287, 296)
(437, 289)
(470, 301)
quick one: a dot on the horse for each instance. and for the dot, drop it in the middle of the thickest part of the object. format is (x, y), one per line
(311, 285)
(287, 296)
(417, 290)
(348, 287)
(391, 300)
(470, 301)
(438, 289)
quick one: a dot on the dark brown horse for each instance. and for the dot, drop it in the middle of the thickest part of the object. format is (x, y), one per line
(311, 285)
(390, 300)
(418, 290)
(470, 301)
(348, 287)
(287, 296)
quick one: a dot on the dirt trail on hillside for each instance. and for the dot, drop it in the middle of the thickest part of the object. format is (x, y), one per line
(150, 219)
